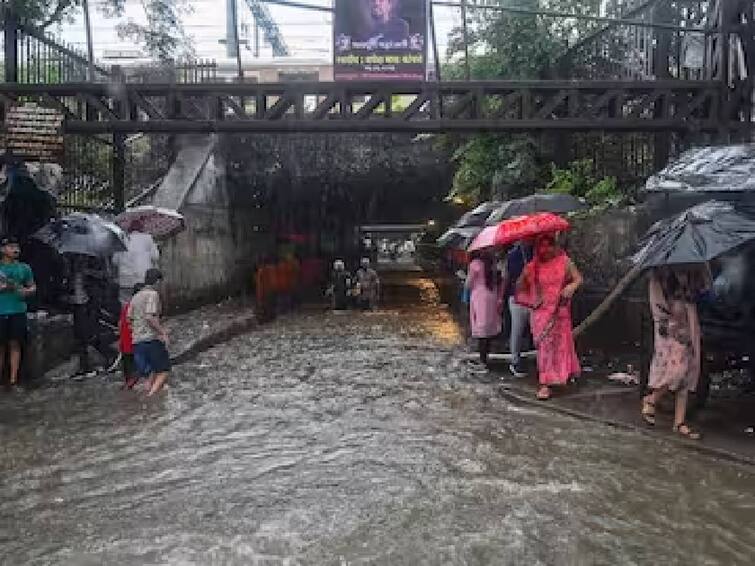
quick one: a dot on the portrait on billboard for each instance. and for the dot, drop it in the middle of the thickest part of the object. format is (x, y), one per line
(380, 39)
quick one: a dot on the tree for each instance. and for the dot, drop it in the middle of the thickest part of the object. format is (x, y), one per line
(163, 36)
(506, 45)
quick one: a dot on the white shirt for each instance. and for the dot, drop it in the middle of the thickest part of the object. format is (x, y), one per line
(142, 254)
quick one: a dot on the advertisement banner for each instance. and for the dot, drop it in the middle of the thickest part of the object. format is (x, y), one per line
(380, 39)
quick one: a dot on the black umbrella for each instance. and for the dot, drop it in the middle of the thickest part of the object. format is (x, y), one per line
(556, 203)
(458, 238)
(697, 235)
(85, 234)
(477, 216)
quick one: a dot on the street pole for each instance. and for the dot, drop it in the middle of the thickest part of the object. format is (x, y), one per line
(90, 43)
(233, 48)
(11, 46)
(436, 57)
(467, 71)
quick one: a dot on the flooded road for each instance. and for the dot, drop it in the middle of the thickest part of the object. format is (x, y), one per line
(349, 439)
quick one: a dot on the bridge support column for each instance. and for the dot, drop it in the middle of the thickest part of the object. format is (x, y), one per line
(11, 46)
(119, 172)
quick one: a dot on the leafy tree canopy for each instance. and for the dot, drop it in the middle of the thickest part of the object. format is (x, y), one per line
(506, 45)
(163, 35)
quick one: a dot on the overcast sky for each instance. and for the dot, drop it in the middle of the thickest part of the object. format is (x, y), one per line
(307, 33)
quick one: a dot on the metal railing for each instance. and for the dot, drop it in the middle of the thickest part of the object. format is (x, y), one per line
(644, 51)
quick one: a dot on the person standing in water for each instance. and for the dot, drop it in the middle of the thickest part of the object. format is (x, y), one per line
(547, 286)
(675, 367)
(369, 285)
(16, 285)
(485, 301)
(340, 285)
(126, 344)
(148, 334)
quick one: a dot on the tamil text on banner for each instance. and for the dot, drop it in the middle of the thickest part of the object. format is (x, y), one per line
(380, 39)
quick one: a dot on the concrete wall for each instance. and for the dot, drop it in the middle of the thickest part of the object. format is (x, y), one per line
(214, 257)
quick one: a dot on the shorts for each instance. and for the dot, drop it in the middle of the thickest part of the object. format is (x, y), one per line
(13, 328)
(151, 357)
(128, 365)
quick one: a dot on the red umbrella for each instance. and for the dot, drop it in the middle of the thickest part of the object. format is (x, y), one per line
(529, 226)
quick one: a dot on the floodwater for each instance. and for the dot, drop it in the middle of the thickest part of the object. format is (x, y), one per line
(349, 439)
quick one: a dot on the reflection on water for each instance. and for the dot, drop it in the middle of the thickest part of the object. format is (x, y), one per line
(349, 439)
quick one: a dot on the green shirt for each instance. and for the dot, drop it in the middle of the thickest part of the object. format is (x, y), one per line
(19, 274)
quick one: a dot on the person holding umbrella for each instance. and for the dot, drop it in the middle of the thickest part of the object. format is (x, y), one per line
(675, 367)
(485, 300)
(16, 285)
(547, 286)
(142, 254)
(88, 281)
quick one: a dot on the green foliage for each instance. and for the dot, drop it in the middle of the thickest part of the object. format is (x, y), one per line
(504, 45)
(494, 167)
(604, 192)
(578, 180)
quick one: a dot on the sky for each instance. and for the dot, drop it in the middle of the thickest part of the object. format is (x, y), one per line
(307, 33)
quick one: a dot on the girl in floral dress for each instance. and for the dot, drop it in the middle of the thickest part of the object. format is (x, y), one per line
(677, 349)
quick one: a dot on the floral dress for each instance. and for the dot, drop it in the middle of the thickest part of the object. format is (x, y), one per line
(676, 354)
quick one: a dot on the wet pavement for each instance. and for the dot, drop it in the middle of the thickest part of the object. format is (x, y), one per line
(352, 438)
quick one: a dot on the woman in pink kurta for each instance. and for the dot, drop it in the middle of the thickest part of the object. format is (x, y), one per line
(485, 302)
(547, 285)
(676, 354)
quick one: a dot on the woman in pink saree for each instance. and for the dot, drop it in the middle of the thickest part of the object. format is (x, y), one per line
(676, 354)
(547, 286)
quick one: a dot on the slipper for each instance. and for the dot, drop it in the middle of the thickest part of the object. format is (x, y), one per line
(648, 412)
(544, 393)
(683, 429)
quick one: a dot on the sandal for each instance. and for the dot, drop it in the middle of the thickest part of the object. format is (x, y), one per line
(648, 412)
(683, 429)
(544, 393)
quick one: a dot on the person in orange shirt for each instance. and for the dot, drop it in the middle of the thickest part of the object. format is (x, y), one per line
(265, 281)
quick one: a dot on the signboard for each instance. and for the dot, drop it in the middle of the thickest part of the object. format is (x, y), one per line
(380, 39)
(34, 133)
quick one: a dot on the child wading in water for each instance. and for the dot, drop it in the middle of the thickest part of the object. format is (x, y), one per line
(126, 344)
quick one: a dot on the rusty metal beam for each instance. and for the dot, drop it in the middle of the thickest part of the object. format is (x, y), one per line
(462, 106)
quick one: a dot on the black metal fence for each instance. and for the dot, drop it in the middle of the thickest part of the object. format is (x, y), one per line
(669, 41)
(88, 165)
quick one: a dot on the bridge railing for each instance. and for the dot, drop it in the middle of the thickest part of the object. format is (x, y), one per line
(653, 40)
(668, 41)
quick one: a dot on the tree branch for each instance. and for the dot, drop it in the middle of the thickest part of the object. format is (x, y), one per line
(57, 13)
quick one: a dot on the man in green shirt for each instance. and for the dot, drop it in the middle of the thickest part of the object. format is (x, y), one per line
(16, 284)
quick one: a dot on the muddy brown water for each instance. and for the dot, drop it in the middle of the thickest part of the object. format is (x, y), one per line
(349, 439)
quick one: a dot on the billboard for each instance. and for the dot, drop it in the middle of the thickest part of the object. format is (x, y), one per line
(380, 39)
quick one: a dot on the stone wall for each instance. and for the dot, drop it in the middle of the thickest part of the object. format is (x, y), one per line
(602, 242)
(50, 343)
